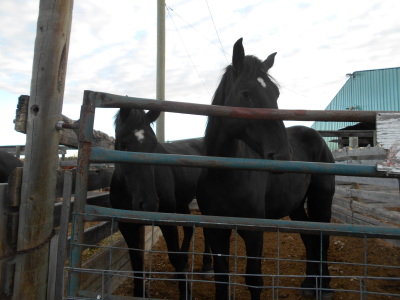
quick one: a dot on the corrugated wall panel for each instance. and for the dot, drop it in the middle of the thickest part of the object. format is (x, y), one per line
(367, 90)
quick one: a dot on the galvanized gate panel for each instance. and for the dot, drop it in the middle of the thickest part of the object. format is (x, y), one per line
(273, 281)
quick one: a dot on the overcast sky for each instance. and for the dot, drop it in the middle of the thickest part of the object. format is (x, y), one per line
(113, 49)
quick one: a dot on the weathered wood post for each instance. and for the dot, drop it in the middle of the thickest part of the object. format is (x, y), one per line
(41, 154)
(353, 141)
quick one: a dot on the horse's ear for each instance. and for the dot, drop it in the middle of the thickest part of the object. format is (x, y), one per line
(269, 62)
(238, 55)
(152, 115)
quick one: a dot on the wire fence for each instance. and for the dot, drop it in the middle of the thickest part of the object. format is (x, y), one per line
(361, 266)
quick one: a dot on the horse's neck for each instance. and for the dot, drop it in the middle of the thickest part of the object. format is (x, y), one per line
(218, 146)
(231, 148)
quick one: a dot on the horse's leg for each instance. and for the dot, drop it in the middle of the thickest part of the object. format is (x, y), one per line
(219, 243)
(319, 210)
(309, 242)
(187, 237)
(177, 259)
(131, 234)
(207, 260)
(254, 245)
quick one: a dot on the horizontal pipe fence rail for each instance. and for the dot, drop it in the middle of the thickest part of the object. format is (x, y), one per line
(97, 213)
(104, 155)
(106, 100)
(347, 133)
(87, 154)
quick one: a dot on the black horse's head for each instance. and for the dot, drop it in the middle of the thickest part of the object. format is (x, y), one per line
(133, 130)
(246, 83)
(133, 133)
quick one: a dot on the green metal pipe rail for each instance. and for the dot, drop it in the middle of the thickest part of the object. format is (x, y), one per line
(88, 154)
(100, 155)
(97, 213)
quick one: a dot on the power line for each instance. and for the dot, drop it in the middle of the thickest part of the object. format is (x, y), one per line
(293, 91)
(187, 52)
(216, 31)
(169, 10)
(195, 29)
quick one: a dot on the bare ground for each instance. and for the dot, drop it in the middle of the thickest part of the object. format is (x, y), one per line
(347, 256)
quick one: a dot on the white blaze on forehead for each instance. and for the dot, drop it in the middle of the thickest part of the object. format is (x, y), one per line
(262, 82)
(139, 133)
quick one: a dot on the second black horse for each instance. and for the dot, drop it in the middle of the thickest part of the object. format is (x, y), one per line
(154, 188)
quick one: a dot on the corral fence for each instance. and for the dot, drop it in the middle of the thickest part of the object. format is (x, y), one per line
(18, 150)
(364, 282)
(366, 201)
(358, 200)
(10, 194)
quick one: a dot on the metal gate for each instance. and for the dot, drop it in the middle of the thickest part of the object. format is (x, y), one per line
(278, 283)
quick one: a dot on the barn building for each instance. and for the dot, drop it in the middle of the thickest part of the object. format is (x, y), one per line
(376, 90)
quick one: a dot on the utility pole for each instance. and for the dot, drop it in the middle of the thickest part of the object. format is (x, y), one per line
(160, 92)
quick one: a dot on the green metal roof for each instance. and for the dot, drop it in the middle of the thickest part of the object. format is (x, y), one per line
(377, 90)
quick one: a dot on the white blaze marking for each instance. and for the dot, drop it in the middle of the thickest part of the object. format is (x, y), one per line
(261, 81)
(139, 135)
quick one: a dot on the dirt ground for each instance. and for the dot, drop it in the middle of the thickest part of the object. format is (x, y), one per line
(346, 254)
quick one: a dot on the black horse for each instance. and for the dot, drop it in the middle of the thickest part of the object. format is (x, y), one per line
(154, 188)
(254, 194)
(8, 163)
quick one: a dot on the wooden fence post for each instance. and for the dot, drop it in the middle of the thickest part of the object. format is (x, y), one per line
(41, 158)
(353, 141)
(56, 271)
